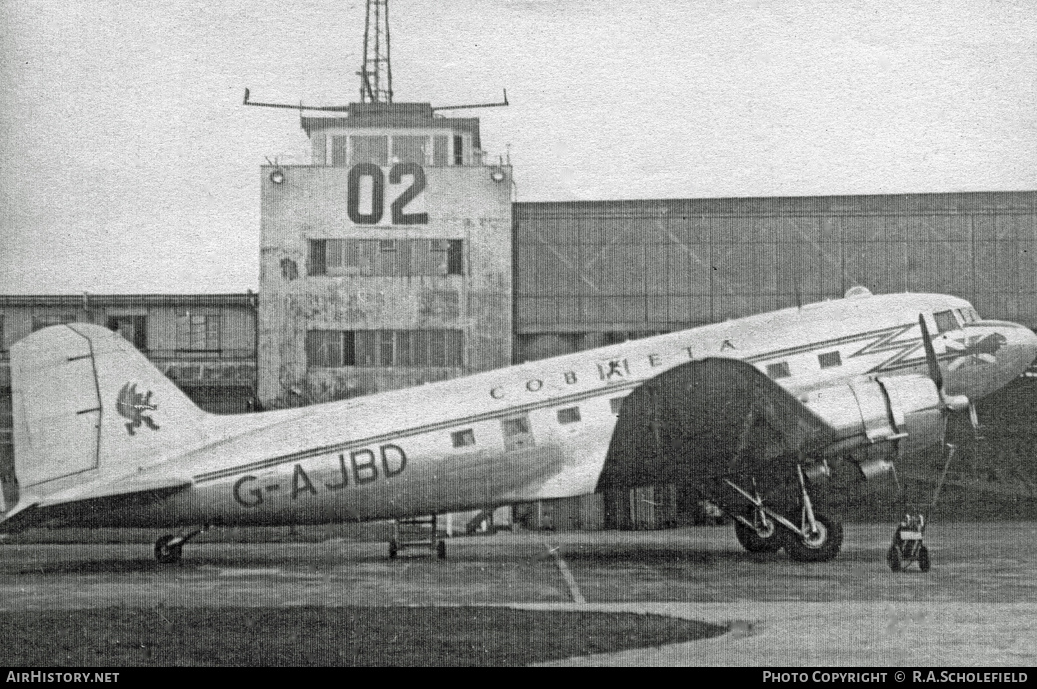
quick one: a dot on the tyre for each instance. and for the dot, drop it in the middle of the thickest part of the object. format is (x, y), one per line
(754, 543)
(394, 549)
(166, 553)
(893, 558)
(441, 550)
(923, 558)
(821, 546)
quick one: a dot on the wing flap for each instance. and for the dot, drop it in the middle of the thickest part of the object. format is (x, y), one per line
(708, 418)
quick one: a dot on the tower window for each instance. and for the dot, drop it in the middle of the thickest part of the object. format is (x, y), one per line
(409, 149)
(458, 149)
(373, 348)
(370, 149)
(386, 257)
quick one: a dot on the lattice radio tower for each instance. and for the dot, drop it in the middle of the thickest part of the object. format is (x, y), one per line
(376, 72)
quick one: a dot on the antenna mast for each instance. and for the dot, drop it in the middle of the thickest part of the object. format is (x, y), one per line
(376, 72)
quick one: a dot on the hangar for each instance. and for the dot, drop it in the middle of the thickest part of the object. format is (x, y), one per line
(399, 257)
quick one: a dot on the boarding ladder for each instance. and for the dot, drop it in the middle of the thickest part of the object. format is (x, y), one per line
(416, 532)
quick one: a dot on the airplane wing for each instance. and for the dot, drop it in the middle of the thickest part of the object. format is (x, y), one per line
(706, 419)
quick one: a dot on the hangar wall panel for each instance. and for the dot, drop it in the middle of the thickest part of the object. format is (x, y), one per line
(663, 265)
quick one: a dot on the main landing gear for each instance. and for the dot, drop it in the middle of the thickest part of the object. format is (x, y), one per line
(169, 548)
(817, 538)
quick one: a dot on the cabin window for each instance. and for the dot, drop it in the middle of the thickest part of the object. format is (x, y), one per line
(778, 370)
(463, 438)
(517, 433)
(945, 321)
(516, 426)
(386, 257)
(569, 415)
(3, 342)
(829, 359)
(616, 403)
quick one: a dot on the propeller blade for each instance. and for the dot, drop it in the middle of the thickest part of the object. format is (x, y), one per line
(930, 355)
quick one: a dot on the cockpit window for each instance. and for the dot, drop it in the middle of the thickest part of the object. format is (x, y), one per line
(968, 315)
(946, 321)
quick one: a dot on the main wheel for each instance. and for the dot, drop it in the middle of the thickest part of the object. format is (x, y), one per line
(821, 546)
(893, 558)
(394, 549)
(166, 553)
(754, 543)
(923, 558)
(441, 550)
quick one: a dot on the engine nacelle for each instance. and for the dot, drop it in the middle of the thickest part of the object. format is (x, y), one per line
(878, 421)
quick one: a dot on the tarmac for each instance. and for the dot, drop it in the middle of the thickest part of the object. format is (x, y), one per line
(976, 607)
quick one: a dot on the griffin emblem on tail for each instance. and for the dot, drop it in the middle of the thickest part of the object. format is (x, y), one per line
(132, 405)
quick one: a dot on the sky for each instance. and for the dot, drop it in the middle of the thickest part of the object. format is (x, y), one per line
(133, 167)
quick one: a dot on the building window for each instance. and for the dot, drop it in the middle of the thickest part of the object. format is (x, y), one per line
(945, 321)
(340, 151)
(440, 154)
(569, 415)
(779, 370)
(463, 438)
(134, 329)
(370, 149)
(373, 348)
(198, 333)
(458, 149)
(829, 359)
(46, 320)
(330, 348)
(616, 403)
(386, 257)
(409, 149)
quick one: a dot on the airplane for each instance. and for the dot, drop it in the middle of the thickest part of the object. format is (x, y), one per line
(751, 414)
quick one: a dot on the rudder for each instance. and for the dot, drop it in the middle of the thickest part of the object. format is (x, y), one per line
(86, 404)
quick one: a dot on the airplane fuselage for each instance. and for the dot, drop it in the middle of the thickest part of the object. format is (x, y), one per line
(542, 429)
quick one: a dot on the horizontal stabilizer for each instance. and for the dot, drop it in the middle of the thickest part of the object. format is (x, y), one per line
(99, 495)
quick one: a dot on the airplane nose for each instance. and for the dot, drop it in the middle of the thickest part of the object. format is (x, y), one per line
(1020, 350)
(1022, 347)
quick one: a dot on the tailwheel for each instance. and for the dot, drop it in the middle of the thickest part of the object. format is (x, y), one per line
(753, 542)
(166, 551)
(821, 544)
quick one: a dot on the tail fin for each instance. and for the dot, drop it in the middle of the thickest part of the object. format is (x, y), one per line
(87, 404)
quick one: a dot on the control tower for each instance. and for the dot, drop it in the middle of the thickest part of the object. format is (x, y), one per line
(387, 261)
